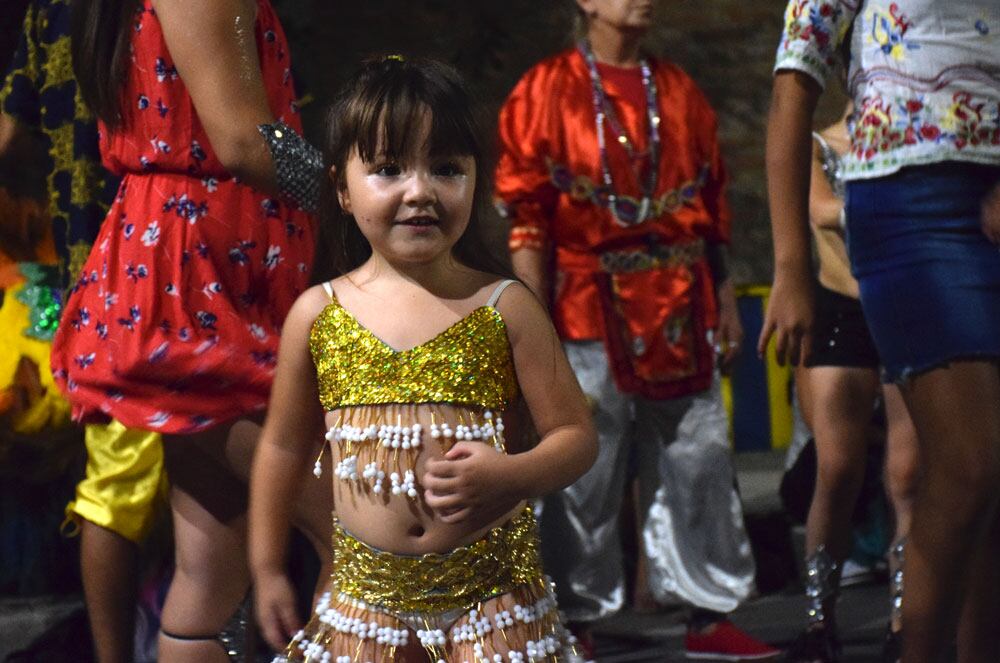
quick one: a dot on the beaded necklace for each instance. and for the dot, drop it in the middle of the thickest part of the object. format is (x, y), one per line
(623, 212)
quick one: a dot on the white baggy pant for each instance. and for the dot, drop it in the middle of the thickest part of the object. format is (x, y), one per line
(693, 535)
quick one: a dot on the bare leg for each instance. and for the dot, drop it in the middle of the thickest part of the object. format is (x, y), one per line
(110, 569)
(955, 410)
(314, 508)
(840, 402)
(836, 404)
(211, 577)
(902, 473)
(977, 633)
(902, 465)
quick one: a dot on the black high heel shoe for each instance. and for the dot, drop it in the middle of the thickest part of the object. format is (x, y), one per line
(814, 645)
(892, 648)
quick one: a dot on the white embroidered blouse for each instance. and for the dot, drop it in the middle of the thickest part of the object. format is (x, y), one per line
(924, 76)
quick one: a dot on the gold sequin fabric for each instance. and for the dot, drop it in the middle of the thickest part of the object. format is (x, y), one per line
(506, 558)
(467, 363)
(487, 601)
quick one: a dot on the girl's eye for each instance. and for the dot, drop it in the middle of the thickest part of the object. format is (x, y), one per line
(388, 170)
(448, 169)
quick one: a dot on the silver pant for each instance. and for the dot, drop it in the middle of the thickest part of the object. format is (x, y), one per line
(693, 535)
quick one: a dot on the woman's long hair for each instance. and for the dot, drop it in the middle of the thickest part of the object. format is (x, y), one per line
(380, 110)
(100, 32)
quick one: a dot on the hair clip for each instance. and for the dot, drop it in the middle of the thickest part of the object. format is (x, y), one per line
(395, 56)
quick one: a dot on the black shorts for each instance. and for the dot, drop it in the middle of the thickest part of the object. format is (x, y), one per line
(840, 333)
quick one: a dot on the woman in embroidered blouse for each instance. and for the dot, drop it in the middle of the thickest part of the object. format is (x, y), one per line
(416, 365)
(923, 218)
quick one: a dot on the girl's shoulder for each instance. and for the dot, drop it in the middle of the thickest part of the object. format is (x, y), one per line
(309, 305)
(519, 308)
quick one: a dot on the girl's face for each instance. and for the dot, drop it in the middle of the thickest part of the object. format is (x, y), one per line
(413, 209)
(625, 15)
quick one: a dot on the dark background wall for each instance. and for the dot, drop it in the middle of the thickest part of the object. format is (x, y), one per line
(726, 45)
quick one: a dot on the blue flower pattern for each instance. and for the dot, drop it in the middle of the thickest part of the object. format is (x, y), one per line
(200, 294)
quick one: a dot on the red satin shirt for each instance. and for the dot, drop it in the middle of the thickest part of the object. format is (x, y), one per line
(549, 185)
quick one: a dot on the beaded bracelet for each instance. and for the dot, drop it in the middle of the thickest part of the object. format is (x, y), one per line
(297, 164)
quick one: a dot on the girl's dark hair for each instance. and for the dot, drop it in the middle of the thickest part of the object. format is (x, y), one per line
(100, 33)
(379, 114)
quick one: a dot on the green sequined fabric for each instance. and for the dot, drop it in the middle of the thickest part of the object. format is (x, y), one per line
(42, 296)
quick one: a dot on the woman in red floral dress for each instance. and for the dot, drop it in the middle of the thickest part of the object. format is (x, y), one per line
(173, 325)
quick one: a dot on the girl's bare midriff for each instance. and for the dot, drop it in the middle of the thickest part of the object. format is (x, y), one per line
(400, 523)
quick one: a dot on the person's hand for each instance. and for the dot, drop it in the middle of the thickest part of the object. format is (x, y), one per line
(729, 337)
(274, 603)
(991, 214)
(471, 484)
(789, 318)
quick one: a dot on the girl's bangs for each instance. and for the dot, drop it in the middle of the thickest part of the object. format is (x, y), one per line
(390, 122)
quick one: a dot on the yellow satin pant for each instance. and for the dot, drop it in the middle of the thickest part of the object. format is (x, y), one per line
(125, 482)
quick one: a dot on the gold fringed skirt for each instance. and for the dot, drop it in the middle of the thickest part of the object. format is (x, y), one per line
(482, 601)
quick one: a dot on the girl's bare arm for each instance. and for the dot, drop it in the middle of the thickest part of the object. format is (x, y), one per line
(291, 436)
(558, 407)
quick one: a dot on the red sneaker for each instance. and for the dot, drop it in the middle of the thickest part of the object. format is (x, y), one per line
(723, 641)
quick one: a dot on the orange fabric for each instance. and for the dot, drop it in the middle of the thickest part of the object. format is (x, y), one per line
(21, 219)
(548, 183)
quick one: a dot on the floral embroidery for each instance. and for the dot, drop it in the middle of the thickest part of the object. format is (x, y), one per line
(39, 91)
(582, 189)
(887, 30)
(159, 353)
(526, 237)
(881, 126)
(808, 22)
(164, 71)
(152, 234)
(920, 95)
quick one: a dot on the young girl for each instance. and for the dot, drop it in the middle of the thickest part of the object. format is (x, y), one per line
(416, 355)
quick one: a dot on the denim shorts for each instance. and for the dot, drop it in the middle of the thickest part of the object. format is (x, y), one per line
(929, 278)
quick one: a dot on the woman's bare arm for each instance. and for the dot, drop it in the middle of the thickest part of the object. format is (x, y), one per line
(214, 49)
(789, 315)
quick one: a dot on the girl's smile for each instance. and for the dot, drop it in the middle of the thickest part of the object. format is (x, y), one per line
(411, 208)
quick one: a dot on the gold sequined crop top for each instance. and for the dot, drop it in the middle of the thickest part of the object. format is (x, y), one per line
(468, 363)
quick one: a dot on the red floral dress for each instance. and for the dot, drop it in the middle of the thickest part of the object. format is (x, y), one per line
(173, 325)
